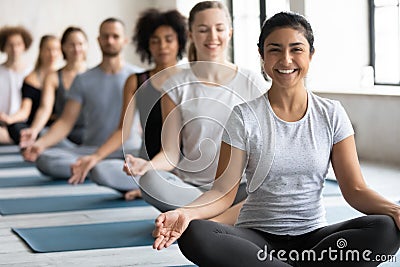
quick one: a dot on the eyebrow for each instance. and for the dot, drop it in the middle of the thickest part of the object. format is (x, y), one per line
(167, 35)
(204, 25)
(290, 45)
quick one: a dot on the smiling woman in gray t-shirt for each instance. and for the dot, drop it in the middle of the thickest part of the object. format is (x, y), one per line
(283, 143)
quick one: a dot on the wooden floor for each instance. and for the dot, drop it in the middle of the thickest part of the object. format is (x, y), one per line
(14, 252)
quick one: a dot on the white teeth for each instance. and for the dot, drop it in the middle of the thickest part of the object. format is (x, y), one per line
(212, 46)
(286, 71)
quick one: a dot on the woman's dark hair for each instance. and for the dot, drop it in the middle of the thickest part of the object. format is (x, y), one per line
(201, 6)
(67, 33)
(147, 24)
(8, 31)
(286, 20)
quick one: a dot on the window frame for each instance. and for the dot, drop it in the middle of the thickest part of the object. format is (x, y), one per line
(372, 41)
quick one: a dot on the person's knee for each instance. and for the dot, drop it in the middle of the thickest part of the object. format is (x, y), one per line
(192, 239)
(109, 173)
(149, 179)
(42, 163)
(96, 177)
(383, 223)
(386, 230)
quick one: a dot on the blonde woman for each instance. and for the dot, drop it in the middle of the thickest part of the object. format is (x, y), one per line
(49, 54)
(196, 103)
(56, 86)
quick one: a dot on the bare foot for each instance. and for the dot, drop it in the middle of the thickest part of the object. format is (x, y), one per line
(131, 195)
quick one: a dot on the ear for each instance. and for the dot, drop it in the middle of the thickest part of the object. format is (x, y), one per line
(261, 55)
(312, 54)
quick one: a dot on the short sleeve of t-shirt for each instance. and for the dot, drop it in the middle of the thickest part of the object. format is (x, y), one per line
(172, 89)
(76, 91)
(234, 131)
(342, 126)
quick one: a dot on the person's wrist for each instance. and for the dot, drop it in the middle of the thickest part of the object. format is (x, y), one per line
(35, 131)
(187, 213)
(39, 144)
(96, 157)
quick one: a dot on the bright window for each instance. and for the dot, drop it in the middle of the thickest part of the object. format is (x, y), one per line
(385, 41)
(246, 24)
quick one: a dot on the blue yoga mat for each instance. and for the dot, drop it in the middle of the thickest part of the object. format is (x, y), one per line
(88, 236)
(331, 188)
(28, 181)
(9, 149)
(17, 164)
(35, 180)
(66, 203)
(336, 214)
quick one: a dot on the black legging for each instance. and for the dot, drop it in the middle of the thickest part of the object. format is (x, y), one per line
(14, 130)
(208, 243)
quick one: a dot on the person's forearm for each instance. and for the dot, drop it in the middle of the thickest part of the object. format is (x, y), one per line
(111, 145)
(370, 202)
(57, 132)
(163, 162)
(41, 118)
(23, 113)
(19, 116)
(230, 216)
(209, 204)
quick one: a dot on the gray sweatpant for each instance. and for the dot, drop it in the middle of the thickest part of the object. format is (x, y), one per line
(109, 172)
(56, 163)
(166, 191)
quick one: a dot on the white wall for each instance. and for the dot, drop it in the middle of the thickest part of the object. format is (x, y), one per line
(376, 121)
(54, 16)
(342, 51)
(341, 42)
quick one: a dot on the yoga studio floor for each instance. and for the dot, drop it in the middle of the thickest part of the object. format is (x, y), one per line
(45, 223)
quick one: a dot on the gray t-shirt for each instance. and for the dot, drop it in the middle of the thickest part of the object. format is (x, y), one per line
(204, 110)
(101, 95)
(287, 162)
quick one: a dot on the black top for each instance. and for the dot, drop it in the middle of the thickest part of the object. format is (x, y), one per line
(76, 134)
(148, 102)
(28, 91)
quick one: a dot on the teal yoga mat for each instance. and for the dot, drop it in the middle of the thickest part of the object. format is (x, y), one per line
(9, 149)
(35, 180)
(28, 181)
(331, 188)
(110, 235)
(88, 236)
(336, 214)
(66, 203)
(17, 164)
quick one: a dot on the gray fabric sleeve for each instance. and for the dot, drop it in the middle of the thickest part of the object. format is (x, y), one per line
(171, 89)
(341, 125)
(75, 93)
(234, 131)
